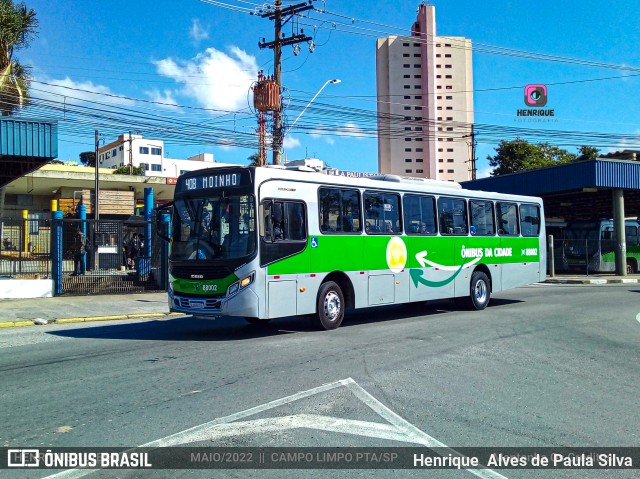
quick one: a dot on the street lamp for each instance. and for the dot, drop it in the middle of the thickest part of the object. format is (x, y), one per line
(334, 81)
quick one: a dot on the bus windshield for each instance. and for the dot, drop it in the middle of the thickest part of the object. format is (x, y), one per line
(213, 228)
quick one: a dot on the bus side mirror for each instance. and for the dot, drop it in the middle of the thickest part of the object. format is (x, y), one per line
(163, 226)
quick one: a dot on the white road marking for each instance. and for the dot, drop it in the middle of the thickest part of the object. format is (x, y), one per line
(638, 317)
(398, 428)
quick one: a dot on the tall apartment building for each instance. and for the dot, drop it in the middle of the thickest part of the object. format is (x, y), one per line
(425, 103)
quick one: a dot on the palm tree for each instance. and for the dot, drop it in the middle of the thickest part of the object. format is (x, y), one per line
(18, 25)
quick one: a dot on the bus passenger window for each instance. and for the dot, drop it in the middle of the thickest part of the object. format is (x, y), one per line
(339, 210)
(382, 212)
(507, 219)
(530, 220)
(453, 216)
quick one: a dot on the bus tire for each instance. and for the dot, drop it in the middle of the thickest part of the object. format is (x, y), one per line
(479, 291)
(257, 321)
(330, 306)
(632, 266)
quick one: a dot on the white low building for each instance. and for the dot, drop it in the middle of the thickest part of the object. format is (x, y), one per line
(149, 154)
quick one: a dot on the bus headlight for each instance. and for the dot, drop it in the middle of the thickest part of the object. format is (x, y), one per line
(243, 283)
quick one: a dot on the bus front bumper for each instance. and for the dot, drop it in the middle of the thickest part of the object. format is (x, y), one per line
(244, 304)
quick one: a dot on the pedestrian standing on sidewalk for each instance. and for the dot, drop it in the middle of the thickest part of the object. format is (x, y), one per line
(79, 252)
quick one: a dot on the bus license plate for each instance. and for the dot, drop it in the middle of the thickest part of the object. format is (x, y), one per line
(196, 305)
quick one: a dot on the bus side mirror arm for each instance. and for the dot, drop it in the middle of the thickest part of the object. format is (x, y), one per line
(160, 225)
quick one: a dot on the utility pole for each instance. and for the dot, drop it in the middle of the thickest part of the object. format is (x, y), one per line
(278, 42)
(96, 202)
(130, 154)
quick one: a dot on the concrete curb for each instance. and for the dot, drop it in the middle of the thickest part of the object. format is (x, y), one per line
(591, 281)
(87, 319)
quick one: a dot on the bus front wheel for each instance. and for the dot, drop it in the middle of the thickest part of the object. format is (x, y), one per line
(330, 306)
(479, 291)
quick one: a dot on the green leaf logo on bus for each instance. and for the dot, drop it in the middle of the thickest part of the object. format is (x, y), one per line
(421, 257)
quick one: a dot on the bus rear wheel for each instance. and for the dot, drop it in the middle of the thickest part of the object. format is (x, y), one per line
(330, 306)
(479, 291)
(632, 267)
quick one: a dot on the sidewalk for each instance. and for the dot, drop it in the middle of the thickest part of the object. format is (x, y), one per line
(592, 279)
(76, 309)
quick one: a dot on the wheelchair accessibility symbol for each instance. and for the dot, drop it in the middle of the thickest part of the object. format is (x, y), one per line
(314, 242)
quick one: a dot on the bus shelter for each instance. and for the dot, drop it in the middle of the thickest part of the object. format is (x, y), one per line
(586, 190)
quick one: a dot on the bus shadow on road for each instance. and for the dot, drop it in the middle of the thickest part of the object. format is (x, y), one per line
(189, 328)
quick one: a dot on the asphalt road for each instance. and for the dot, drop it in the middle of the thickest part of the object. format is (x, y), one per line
(546, 365)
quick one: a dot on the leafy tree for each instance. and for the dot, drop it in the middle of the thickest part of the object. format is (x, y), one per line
(56, 162)
(18, 25)
(587, 153)
(88, 158)
(124, 170)
(555, 154)
(254, 159)
(520, 155)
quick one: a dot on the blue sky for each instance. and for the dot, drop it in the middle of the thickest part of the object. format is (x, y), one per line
(192, 54)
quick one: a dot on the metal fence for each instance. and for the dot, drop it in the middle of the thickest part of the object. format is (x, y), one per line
(110, 263)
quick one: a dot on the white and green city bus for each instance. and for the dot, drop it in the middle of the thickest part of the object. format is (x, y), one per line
(263, 243)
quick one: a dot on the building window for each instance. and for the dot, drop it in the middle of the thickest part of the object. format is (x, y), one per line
(440, 171)
(417, 76)
(438, 66)
(419, 171)
(449, 139)
(418, 97)
(449, 149)
(145, 166)
(407, 149)
(406, 87)
(405, 44)
(439, 87)
(407, 108)
(439, 97)
(407, 97)
(406, 76)
(407, 118)
(449, 160)
(449, 118)
(440, 149)
(114, 152)
(448, 76)
(156, 151)
(418, 139)
(417, 87)
(120, 148)
(407, 171)
(447, 55)
(418, 118)
(419, 160)
(144, 150)
(416, 44)
(416, 55)
(449, 108)
(407, 160)
(406, 55)
(439, 108)
(449, 87)
(156, 167)
(406, 65)
(440, 160)
(417, 65)
(418, 128)
(439, 118)
(440, 128)
(447, 66)
(449, 98)
(417, 108)
(447, 44)
(449, 128)
(407, 128)
(449, 171)
(438, 44)
(407, 139)
(438, 76)
(438, 55)
(418, 149)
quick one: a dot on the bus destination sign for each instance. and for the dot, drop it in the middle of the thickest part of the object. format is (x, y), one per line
(214, 181)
